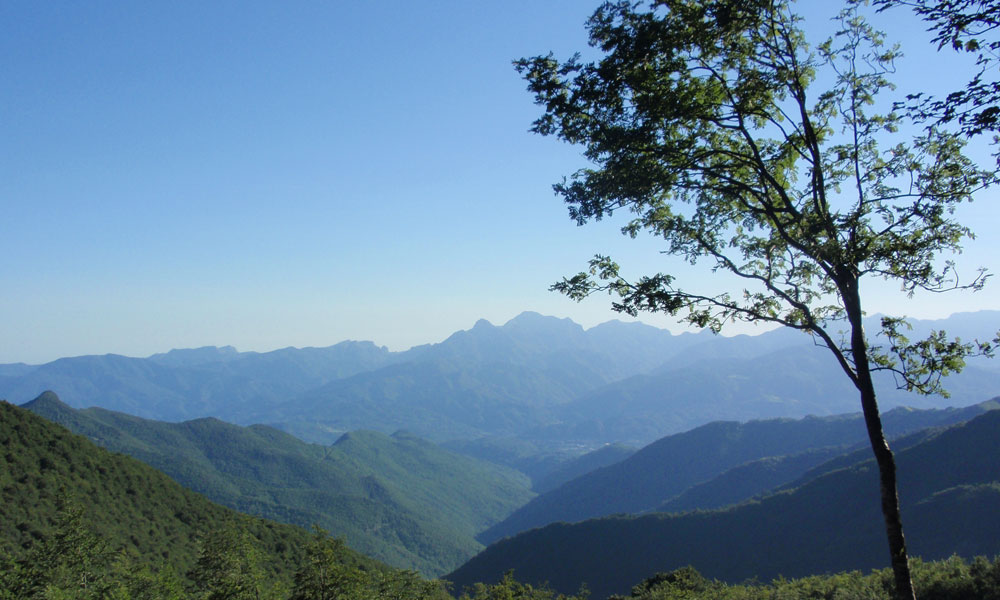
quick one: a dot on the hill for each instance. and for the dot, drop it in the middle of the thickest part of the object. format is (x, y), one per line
(569, 470)
(950, 500)
(670, 466)
(397, 498)
(131, 506)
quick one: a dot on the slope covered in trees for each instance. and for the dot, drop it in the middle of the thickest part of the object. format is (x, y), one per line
(397, 498)
(949, 485)
(670, 466)
(129, 505)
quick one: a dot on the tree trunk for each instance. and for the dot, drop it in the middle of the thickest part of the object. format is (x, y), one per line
(883, 455)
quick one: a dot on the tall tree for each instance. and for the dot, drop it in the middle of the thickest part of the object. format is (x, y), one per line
(324, 575)
(700, 119)
(229, 566)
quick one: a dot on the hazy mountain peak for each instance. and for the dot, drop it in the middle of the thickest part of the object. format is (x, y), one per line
(48, 397)
(179, 357)
(482, 324)
(619, 325)
(533, 319)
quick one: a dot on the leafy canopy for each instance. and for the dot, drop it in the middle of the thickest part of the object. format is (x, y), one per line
(970, 27)
(700, 120)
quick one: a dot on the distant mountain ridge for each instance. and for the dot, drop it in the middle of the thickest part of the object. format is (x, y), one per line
(537, 378)
(397, 498)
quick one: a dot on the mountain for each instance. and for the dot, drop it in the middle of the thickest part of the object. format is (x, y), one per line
(185, 384)
(569, 470)
(538, 378)
(398, 498)
(670, 466)
(190, 357)
(749, 480)
(677, 398)
(529, 363)
(487, 381)
(128, 504)
(950, 498)
(535, 458)
(433, 399)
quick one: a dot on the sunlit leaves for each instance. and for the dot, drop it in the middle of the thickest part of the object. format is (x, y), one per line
(700, 120)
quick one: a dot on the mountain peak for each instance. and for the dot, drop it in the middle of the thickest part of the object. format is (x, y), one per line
(536, 320)
(482, 324)
(186, 357)
(48, 397)
(49, 406)
(530, 316)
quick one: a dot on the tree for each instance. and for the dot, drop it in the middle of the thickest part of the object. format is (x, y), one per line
(509, 588)
(700, 120)
(71, 562)
(324, 575)
(327, 575)
(229, 566)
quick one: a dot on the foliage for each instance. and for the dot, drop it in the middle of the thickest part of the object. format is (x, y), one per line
(75, 563)
(130, 507)
(701, 120)
(323, 575)
(951, 579)
(966, 26)
(397, 498)
(229, 566)
(509, 588)
(79, 522)
(66, 566)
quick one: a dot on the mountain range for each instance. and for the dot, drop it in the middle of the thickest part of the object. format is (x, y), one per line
(720, 463)
(539, 379)
(827, 521)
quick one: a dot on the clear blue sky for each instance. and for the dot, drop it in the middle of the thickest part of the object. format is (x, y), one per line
(267, 174)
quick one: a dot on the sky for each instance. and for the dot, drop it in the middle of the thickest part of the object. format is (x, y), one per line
(273, 174)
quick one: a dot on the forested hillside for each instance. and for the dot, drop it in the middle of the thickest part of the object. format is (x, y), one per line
(397, 498)
(129, 505)
(663, 470)
(949, 486)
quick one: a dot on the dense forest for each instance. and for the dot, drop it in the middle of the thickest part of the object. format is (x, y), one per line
(398, 498)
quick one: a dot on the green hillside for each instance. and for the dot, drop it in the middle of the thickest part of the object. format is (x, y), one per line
(397, 498)
(604, 456)
(950, 492)
(748, 480)
(669, 466)
(129, 505)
